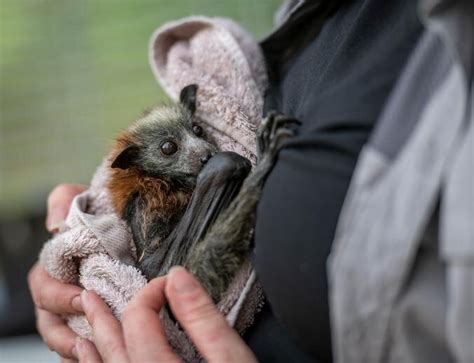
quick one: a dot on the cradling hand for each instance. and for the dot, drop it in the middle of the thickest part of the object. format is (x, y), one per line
(141, 338)
(53, 298)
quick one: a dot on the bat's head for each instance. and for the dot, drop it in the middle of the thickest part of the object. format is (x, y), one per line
(166, 143)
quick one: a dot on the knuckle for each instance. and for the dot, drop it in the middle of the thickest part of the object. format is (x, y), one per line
(39, 301)
(50, 343)
(54, 342)
(64, 302)
(205, 318)
(215, 333)
(113, 348)
(198, 312)
(62, 349)
(54, 337)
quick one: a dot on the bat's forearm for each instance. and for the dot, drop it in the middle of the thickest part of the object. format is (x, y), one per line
(218, 257)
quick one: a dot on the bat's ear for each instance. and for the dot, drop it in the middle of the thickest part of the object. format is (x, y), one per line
(126, 158)
(187, 97)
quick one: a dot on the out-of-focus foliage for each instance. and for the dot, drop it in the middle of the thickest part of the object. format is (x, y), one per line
(72, 73)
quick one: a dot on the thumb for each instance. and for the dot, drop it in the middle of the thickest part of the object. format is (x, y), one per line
(204, 324)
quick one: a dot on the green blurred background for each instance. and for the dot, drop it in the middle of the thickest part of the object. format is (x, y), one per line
(72, 73)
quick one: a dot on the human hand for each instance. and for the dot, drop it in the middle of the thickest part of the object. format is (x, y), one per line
(130, 342)
(53, 298)
(59, 202)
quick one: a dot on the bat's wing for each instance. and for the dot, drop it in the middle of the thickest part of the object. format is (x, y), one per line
(217, 185)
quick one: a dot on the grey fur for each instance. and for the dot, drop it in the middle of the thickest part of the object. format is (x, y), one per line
(172, 123)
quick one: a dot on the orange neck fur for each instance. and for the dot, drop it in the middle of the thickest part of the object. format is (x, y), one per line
(158, 194)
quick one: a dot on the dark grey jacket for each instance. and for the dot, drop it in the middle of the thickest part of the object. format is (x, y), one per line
(335, 80)
(402, 265)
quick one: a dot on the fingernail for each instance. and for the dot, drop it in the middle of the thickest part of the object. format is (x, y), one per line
(181, 281)
(56, 217)
(77, 304)
(84, 298)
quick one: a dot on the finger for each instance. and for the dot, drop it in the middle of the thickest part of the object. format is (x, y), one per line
(148, 344)
(107, 331)
(59, 202)
(51, 294)
(204, 324)
(87, 352)
(56, 334)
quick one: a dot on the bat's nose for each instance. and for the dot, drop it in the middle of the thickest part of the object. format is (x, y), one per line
(205, 158)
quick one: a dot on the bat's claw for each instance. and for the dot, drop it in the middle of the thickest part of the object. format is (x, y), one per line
(273, 131)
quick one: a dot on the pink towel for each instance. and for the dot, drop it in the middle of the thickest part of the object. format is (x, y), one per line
(94, 248)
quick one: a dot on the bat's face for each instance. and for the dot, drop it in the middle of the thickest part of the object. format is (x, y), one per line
(167, 144)
(176, 148)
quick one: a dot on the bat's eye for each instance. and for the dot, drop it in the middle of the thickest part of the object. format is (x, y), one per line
(169, 148)
(197, 130)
